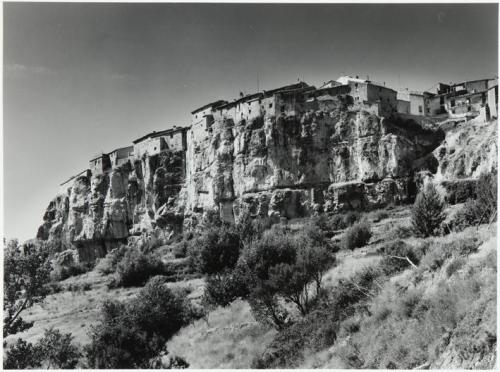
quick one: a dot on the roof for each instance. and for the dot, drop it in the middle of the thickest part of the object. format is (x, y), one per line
(289, 87)
(160, 133)
(121, 148)
(97, 156)
(212, 104)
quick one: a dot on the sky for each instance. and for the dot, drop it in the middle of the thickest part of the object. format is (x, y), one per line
(84, 78)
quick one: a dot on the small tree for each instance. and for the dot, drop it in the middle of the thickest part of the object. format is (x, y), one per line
(21, 355)
(54, 350)
(130, 334)
(428, 211)
(26, 275)
(57, 350)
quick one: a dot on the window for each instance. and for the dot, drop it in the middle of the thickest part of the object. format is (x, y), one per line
(452, 103)
(270, 105)
(420, 109)
(249, 111)
(282, 108)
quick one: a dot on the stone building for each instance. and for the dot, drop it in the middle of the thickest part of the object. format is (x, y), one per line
(366, 91)
(464, 98)
(121, 155)
(174, 139)
(100, 164)
(493, 98)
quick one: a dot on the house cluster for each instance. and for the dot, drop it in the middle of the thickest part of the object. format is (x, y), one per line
(470, 98)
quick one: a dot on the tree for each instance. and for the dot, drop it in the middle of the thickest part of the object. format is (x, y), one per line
(428, 211)
(25, 277)
(54, 350)
(21, 355)
(282, 265)
(130, 335)
(57, 350)
(216, 250)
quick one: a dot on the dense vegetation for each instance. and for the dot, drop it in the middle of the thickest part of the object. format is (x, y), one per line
(428, 285)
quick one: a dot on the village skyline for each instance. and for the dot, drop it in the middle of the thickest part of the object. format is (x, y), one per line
(92, 77)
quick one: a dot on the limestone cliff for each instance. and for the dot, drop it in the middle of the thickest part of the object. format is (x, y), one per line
(323, 158)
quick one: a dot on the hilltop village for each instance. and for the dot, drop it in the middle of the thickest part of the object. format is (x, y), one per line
(465, 100)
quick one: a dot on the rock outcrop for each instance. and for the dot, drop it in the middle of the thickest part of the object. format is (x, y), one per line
(321, 158)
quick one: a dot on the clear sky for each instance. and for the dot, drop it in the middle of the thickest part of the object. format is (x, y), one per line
(85, 78)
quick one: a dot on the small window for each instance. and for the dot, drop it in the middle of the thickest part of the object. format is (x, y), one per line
(249, 111)
(155, 148)
(452, 103)
(355, 85)
(270, 105)
(282, 108)
(420, 109)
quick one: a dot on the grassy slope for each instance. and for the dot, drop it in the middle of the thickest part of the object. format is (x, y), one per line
(75, 311)
(465, 345)
(229, 338)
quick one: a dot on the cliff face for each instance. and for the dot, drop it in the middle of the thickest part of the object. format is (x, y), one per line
(289, 165)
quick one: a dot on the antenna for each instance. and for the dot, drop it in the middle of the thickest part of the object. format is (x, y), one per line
(258, 81)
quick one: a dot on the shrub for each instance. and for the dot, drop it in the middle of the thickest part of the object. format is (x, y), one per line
(397, 257)
(21, 355)
(455, 265)
(351, 217)
(107, 265)
(216, 250)
(135, 268)
(487, 196)
(57, 350)
(281, 265)
(483, 208)
(130, 334)
(53, 351)
(380, 215)
(65, 264)
(427, 212)
(356, 236)
(180, 250)
(460, 191)
(337, 222)
(223, 288)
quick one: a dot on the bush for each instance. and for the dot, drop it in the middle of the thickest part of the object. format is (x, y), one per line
(380, 215)
(216, 250)
(53, 351)
(483, 208)
(427, 212)
(130, 335)
(57, 350)
(356, 236)
(107, 265)
(135, 268)
(397, 257)
(351, 217)
(223, 288)
(65, 265)
(180, 250)
(281, 265)
(21, 355)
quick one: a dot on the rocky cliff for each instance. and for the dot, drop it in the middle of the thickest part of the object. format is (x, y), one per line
(317, 160)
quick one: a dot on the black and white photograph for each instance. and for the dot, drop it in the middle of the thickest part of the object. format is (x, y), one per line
(249, 185)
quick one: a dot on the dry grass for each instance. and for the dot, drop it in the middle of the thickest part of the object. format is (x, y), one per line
(74, 312)
(230, 338)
